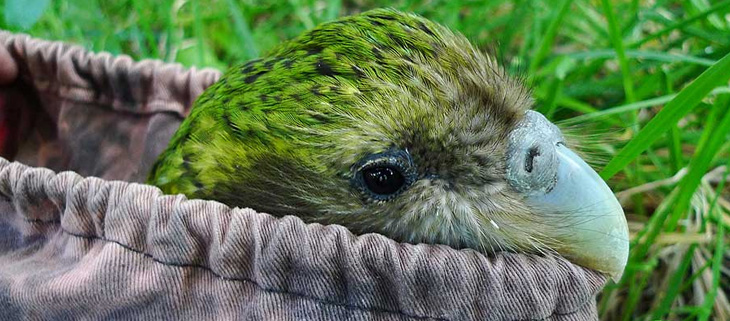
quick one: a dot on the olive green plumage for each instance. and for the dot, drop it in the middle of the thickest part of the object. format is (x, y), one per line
(292, 132)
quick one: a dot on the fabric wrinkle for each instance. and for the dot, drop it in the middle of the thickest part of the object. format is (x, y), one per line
(82, 238)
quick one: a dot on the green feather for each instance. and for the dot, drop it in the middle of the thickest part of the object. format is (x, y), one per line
(282, 133)
(307, 82)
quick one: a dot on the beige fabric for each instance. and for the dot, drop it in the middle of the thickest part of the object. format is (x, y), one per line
(90, 248)
(97, 114)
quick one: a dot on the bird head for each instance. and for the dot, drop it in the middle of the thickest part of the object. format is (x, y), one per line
(386, 122)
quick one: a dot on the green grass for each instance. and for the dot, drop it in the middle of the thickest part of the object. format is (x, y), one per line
(649, 78)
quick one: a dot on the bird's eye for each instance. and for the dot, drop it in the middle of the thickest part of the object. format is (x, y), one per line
(383, 180)
(383, 176)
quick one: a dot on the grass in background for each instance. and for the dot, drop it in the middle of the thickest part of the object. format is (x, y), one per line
(650, 78)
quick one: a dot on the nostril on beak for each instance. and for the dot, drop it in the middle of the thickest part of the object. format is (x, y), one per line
(530, 159)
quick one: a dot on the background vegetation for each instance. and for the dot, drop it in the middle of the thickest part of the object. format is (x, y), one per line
(648, 79)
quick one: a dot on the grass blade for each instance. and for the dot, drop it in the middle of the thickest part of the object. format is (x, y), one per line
(709, 145)
(243, 31)
(333, 9)
(546, 42)
(198, 32)
(717, 258)
(643, 54)
(623, 108)
(682, 23)
(716, 265)
(677, 108)
(675, 282)
(618, 45)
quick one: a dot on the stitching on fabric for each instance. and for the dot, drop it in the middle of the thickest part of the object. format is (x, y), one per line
(555, 313)
(569, 313)
(272, 290)
(308, 297)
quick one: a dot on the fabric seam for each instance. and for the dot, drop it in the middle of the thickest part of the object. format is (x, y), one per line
(246, 280)
(272, 290)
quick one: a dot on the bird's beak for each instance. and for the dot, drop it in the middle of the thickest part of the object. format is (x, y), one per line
(591, 223)
(597, 231)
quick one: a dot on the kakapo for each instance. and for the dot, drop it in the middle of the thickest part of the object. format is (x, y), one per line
(389, 123)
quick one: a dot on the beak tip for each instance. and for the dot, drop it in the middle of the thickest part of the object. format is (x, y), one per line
(595, 234)
(583, 220)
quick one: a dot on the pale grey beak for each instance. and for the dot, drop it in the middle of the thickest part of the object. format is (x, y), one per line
(590, 225)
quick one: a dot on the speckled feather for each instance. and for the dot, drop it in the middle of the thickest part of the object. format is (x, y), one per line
(283, 134)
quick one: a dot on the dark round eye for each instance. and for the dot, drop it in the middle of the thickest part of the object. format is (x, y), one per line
(381, 177)
(383, 180)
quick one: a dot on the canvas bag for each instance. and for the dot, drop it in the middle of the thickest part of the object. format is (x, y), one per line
(82, 238)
